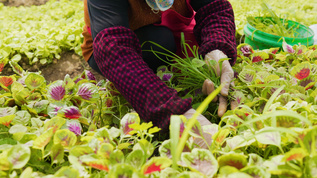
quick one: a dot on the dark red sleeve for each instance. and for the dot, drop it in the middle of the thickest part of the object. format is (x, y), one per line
(118, 54)
(215, 29)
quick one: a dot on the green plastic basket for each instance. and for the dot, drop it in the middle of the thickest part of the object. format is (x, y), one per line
(262, 40)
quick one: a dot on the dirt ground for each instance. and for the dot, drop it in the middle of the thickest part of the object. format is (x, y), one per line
(69, 63)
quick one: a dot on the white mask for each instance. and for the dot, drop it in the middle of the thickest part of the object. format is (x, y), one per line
(161, 5)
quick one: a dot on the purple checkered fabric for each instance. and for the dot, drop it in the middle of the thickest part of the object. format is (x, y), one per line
(118, 54)
(215, 29)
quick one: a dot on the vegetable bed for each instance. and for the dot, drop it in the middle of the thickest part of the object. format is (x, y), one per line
(81, 127)
(78, 127)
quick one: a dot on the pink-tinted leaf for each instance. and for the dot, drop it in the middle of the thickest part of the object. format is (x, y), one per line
(201, 160)
(71, 112)
(167, 76)
(53, 108)
(16, 68)
(128, 119)
(236, 160)
(247, 75)
(259, 56)
(156, 164)
(301, 70)
(308, 82)
(269, 138)
(6, 120)
(95, 162)
(98, 165)
(18, 156)
(220, 136)
(295, 154)
(88, 75)
(6, 81)
(287, 48)
(245, 49)
(57, 90)
(3, 63)
(74, 126)
(87, 91)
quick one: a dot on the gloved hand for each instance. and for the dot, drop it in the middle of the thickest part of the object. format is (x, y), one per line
(226, 77)
(207, 133)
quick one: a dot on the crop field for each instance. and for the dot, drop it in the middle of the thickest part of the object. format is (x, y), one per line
(77, 125)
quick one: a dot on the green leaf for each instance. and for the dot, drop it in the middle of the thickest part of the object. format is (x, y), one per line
(36, 122)
(26, 173)
(67, 172)
(198, 63)
(116, 157)
(18, 156)
(5, 164)
(123, 170)
(201, 160)
(165, 149)
(145, 146)
(255, 159)
(21, 117)
(57, 153)
(38, 106)
(269, 138)
(18, 128)
(65, 137)
(27, 137)
(236, 160)
(136, 158)
(34, 81)
(105, 150)
(256, 171)
(80, 150)
(16, 58)
(55, 123)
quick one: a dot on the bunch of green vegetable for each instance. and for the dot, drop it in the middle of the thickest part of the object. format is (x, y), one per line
(40, 33)
(187, 74)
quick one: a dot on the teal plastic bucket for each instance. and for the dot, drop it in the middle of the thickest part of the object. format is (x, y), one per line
(262, 40)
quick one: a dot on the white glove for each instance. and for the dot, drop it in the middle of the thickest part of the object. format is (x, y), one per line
(226, 77)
